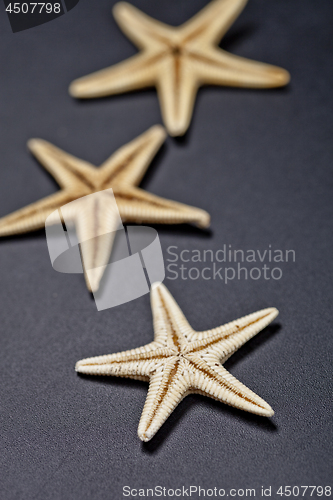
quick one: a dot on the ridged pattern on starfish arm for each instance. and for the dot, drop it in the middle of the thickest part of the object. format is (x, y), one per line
(178, 60)
(181, 361)
(122, 172)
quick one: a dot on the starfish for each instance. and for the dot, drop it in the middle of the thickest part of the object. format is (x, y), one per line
(181, 361)
(178, 60)
(122, 172)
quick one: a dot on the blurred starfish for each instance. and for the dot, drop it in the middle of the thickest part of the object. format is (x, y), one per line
(178, 60)
(181, 361)
(122, 172)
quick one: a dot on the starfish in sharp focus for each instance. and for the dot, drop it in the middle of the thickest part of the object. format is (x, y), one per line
(178, 60)
(181, 361)
(122, 172)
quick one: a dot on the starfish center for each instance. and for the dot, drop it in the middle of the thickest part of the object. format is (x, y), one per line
(176, 50)
(181, 353)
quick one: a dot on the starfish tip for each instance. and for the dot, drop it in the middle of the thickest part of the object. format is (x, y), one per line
(204, 221)
(273, 312)
(93, 284)
(145, 435)
(120, 8)
(94, 276)
(78, 366)
(33, 143)
(265, 409)
(143, 438)
(177, 129)
(269, 412)
(284, 76)
(159, 131)
(75, 88)
(280, 77)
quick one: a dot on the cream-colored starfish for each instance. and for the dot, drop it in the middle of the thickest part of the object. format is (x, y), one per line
(178, 60)
(122, 172)
(181, 361)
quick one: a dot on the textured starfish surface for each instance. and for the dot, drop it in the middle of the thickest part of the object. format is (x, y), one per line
(122, 172)
(181, 361)
(178, 60)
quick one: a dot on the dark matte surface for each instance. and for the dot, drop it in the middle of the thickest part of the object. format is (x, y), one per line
(259, 162)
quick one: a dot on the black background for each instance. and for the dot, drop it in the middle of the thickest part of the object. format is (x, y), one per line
(259, 161)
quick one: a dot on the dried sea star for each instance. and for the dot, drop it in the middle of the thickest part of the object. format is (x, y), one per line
(122, 172)
(181, 361)
(178, 60)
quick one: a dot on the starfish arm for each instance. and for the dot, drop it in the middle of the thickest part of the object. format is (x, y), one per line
(168, 386)
(134, 73)
(177, 88)
(129, 164)
(225, 340)
(170, 324)
(134, 363)
(96, 222)
(136, 205)
(217, 67)
(142, 29)
(212, 22)
(219, 384)
(68, 171)
(33, 216)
